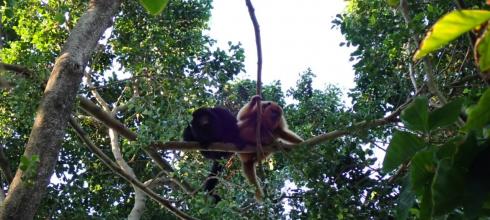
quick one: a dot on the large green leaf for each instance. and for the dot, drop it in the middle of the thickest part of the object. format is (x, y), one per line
(447, 188)
(402, 147)
(422, 169)
(426, 204)
(479, 115)
(416, 115)
(483, 49)
(155, 7)
(449, 27)
(448, 149)
(445, 115)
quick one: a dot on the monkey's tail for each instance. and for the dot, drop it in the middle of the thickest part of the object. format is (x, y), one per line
(251, 175)
(212, 180)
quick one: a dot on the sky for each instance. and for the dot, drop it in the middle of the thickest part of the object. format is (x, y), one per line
(296, 35)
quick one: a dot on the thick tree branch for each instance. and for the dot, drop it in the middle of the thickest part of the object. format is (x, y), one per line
(55, 108)
(114, 167)
(279, 146)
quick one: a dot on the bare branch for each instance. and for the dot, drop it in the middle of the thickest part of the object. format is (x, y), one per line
(16, 68)
(258, 43)
(89, 107)
(95, 93)
(429, 70)
(114, 167)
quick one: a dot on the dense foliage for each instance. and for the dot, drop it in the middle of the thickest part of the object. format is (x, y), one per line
(152, 71)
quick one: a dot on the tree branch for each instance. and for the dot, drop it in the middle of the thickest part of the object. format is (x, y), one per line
(92, 109)
(4, 165)
(114, 167)
(95, 93)
(429, 71)
(258, 43)
(16, 68)
(89, 107)
(279, 146)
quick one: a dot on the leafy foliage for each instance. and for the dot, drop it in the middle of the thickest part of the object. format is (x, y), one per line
(160, 68)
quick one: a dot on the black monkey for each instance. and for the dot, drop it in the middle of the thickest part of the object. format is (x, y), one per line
(210, 125)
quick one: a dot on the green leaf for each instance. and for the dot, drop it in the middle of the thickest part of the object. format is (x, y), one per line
(405, 202)
(445, 115)
(402, 147)
(422, 169)
(154, 7)
(447, 188)
(416, 115)
(483, 49)
(426, 204)
(479, 115)
(467, 151)
(449, 27)
(448, 149)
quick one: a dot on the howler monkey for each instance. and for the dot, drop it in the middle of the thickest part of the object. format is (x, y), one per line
(210, 125)
(273, 127)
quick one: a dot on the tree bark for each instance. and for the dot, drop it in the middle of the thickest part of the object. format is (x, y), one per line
(26, 192)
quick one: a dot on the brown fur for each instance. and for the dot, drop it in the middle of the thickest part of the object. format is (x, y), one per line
(273, 127)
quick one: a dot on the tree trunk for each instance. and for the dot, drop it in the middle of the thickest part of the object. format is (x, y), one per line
(26, 191)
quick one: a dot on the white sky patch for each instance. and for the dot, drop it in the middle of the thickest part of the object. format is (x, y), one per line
(295, 35)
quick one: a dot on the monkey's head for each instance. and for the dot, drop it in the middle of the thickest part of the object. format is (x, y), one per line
(271, 115)
(204, 125)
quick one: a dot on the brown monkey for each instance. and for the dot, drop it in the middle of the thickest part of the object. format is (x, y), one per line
(273, 127)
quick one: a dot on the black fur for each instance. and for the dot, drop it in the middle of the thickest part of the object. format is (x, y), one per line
(210, 125)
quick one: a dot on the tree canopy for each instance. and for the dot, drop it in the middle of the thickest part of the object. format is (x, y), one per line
(95, 97)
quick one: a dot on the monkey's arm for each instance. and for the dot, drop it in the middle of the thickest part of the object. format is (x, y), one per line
(288, 135)
(249, 110)
(188, 136)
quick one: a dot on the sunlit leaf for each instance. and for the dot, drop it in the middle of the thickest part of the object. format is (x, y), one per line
(154, 7)
(402, 147)
(449, 27)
